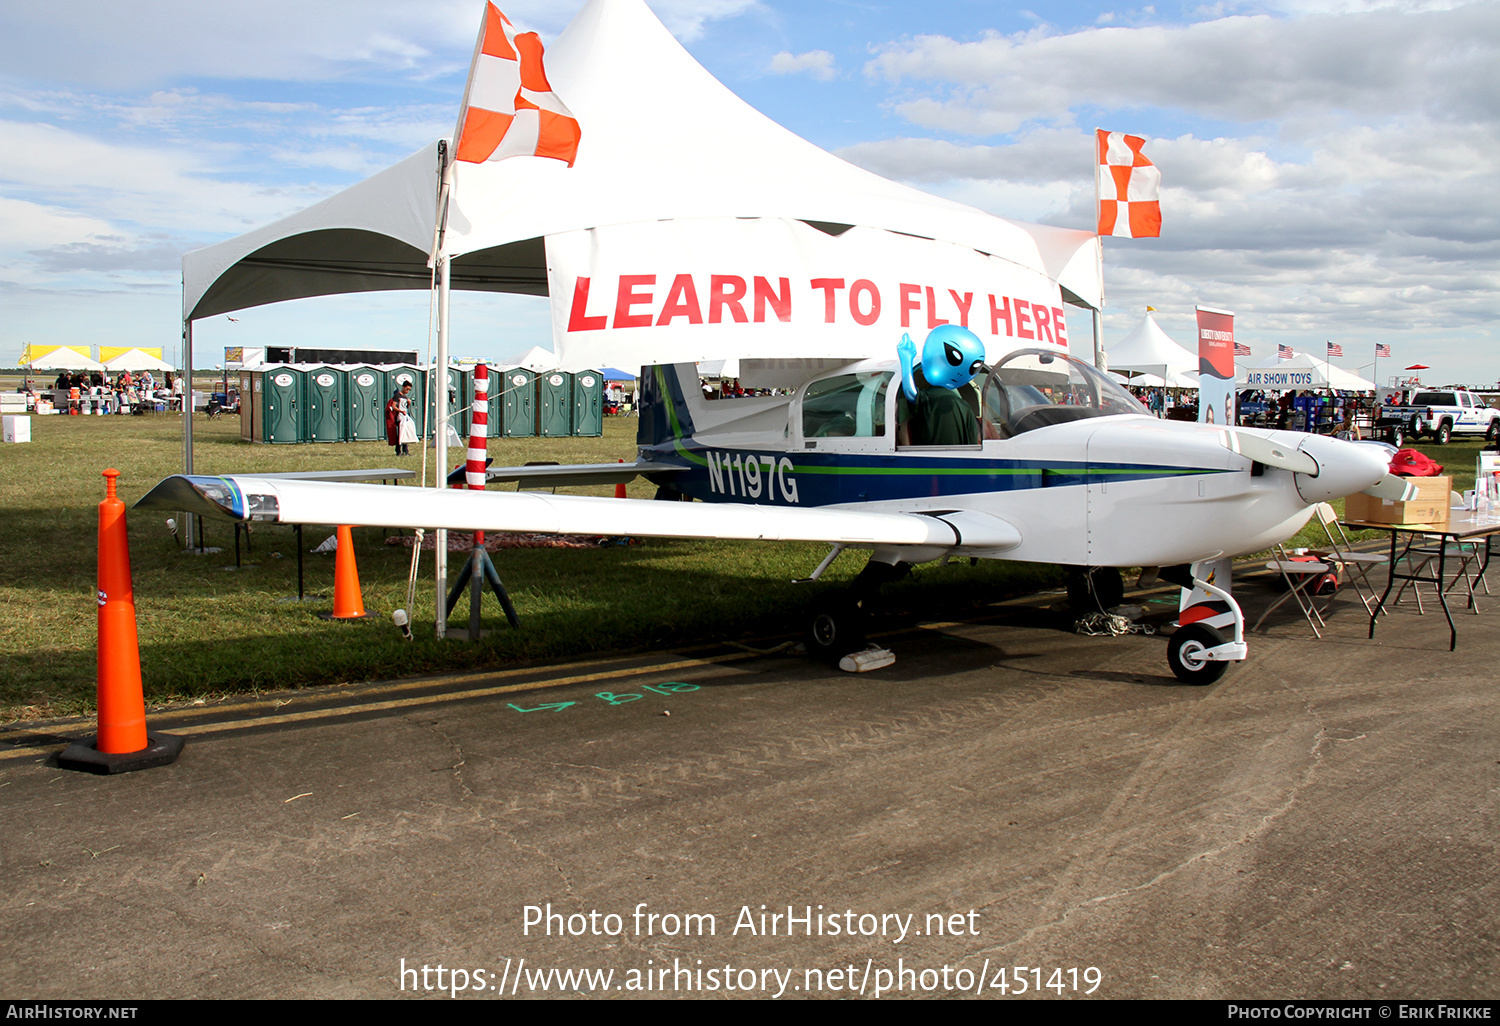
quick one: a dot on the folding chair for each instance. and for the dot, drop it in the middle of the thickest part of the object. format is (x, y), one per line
(1355, 564)
(1466, 554)
(1298, 575)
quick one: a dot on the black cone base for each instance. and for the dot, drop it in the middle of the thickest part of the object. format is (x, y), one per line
(160, 750)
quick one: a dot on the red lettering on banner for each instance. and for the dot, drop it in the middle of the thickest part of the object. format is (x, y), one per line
(829, 286)
(1043, 323)
(1060, 326)
(682, 301)
(997, 312)
(909, 302)
(779, 301)
(1023, 312)
(963, 306)
(576, 319)
(932, 317)
(726, 290)
(626, 297)
(864, 319)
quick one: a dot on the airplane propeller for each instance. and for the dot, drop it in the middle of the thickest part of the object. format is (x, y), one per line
(1397, 489)
(1272, 454)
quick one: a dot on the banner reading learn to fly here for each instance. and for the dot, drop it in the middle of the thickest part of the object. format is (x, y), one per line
(715, 288)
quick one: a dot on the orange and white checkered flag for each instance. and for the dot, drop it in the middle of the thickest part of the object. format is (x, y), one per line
(1129, 187)
(509, 108)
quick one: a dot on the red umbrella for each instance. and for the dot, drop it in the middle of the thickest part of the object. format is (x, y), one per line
(1419, 366)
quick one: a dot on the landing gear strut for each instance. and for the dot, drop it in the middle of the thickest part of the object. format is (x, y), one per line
(1094, 589)
(839, 619)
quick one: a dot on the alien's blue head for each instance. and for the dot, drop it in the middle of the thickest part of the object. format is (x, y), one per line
(951, 356)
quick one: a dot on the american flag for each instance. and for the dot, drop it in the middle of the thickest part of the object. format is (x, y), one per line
(1334, 349)
(1382, 352)
(1284, 352)
(1240, 349)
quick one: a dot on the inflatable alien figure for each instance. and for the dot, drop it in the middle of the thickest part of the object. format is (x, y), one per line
(951, 357)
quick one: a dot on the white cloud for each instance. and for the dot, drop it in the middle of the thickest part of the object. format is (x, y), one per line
(132, 45)
(817, 63)
(1236, 68)
(688, 19)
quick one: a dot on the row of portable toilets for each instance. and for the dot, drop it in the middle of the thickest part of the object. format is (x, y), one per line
(291, 403)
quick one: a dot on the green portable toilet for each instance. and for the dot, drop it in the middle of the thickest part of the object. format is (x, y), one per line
(282, 412)
(364, 413)
(554, 404)
(397, 376)
(516, 405)
(460, 394)
(325, 403)
(588, 403)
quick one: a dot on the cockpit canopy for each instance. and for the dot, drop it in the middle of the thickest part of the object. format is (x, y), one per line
(1028, 389)
(1034, 388)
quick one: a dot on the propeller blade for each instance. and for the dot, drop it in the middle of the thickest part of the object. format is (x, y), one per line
(1397, 489)
(1272, 454)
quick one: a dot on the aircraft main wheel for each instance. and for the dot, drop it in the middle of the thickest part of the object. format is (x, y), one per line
(1442, 434)
(1095, 589)
(1185, 654)
(837, 628)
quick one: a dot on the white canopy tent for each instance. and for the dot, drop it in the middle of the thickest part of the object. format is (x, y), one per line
(536, 359)
(135, 360)
(1149, 350)
(663, 142)
(662, 139)
(1303, 370)
(60, 358)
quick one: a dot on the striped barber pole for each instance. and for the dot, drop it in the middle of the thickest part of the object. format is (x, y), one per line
(479, 428)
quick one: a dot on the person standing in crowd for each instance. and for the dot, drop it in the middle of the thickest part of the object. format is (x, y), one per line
(400, 429)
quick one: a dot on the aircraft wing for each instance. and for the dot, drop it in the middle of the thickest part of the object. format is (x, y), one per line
(556, 475)
(277, 500)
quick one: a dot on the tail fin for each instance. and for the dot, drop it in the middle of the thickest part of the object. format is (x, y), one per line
(665, 415)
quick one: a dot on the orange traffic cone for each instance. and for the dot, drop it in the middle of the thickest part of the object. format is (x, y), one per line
(122, 743)
(620, 488)
(348, 602)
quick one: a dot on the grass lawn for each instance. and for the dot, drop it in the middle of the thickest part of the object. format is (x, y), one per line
(208, 629)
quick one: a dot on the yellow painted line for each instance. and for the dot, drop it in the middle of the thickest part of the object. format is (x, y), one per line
(354, 706)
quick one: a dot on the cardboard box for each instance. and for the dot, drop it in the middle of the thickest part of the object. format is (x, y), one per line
(1430, 506)
(17, 428)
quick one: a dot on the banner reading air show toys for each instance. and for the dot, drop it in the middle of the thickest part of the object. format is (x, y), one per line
(1215, 366)
(705, 289)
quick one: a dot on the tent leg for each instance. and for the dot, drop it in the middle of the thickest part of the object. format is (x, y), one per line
(187, 418)
(440, 422)
(1098, 319)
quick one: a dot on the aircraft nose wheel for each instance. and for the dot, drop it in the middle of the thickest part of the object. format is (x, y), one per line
(1185, 654)
(837, 627)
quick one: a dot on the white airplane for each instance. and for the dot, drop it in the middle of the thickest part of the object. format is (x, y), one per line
(1070, 469)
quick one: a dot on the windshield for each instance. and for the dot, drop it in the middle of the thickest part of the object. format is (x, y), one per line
(1033, 388)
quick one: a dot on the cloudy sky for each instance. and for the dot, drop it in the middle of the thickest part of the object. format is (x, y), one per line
(1329, 167)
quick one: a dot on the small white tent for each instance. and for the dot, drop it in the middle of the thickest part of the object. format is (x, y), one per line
(1149, 350)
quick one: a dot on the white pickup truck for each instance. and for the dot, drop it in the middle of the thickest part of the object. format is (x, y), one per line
(1440, 413)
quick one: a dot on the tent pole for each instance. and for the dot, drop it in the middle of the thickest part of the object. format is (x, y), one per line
(440, 427)
(1098, 319)
(187, 417)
